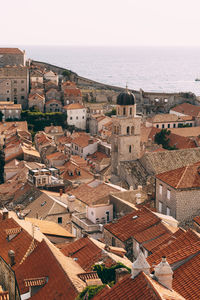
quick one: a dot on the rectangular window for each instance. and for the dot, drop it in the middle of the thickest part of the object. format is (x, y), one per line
(59, 220)
(22, 89)
(113, 242)
(22, 81)
(168, 125)
(168, 211)
(168, 194)
(174, 125)
(157, 126)
(160, 189)
(70, 118)
(160, 207)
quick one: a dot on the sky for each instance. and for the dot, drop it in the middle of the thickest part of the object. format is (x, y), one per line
(100, 22)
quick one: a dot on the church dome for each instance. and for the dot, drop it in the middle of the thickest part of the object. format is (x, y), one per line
(126, 98)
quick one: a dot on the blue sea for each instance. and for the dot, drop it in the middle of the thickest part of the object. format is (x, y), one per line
(171, 69)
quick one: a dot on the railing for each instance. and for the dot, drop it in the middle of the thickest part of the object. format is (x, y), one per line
(81, 220)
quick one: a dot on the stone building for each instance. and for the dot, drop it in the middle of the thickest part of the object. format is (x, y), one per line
(125, 140)
(5, 90)
(53, 106)
(15, 82)
(178, 192)
(51, 76)
(36, 100)
(53, 94)
(76, 115)
(10, 110)
(12, 57)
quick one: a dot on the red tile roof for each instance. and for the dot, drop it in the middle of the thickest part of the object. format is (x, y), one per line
(197, 220)
(91, 195)
(74, 106)
(86, 252)
(11, 51)
(183, 240)
(19, 244)
(186, 279)
(141, 287)
(133, 223)
(182, 178)
(42, 263)
(187, 109)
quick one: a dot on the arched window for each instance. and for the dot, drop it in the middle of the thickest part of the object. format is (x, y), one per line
(130, 149)
(130, 110)
(124, 111)
(132, 130)
(128, 130)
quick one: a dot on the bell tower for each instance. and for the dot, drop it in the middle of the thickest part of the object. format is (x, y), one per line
(125, 141)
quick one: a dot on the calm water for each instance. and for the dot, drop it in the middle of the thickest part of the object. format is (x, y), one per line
(152, 69)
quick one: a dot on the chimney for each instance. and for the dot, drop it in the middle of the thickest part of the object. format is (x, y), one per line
(131, 188)
(140, 265)
(70, 201)
(5, 213)
(11, 255)
(164, 273)
(138, 198)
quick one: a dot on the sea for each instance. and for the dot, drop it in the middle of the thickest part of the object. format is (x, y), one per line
(152, 69)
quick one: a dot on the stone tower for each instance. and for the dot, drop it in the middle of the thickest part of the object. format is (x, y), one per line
(125, 142)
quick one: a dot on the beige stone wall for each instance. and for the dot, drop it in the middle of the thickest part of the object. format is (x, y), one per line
(182, 203)
(12, 59)
(19, 78)
(5, 90)
(108, 237)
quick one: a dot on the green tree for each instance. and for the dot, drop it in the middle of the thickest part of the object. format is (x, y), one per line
(111, 113)
(161, 138)
(66, 73)
(1, 116)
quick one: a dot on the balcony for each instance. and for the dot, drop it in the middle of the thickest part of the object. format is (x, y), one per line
(81, 220)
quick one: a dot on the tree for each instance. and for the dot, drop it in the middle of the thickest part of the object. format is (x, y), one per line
(161, 138)
(111, 113)
(66, 73)
(1, 116)
(2, 164)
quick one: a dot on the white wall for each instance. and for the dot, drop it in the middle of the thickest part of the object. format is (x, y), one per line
(77, 117)
(94, 212)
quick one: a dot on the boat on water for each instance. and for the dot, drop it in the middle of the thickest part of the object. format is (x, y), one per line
(197, 79)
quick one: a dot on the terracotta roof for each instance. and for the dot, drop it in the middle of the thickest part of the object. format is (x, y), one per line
(56, 155)
(186, 279)
(141, 287)
(186, 131)
(197, 220)
(173, 245)
(20, 243)
(182, 178)
(74, 170)
(42, 263)
(90, 195)
(187, 109)
(11, 51)
(9, 105)
(50, 228)
(53, 101)
(74, 106)
(72, 92)
(86, 252)
(162, 118)
(6, 127)
(36, 96)
(83, 140)
(97, 156)
(133, 223)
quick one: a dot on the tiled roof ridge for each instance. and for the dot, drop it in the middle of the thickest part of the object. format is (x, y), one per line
(31, 248)
(186, 168)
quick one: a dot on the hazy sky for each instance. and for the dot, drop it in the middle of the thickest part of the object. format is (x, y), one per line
(100, 22)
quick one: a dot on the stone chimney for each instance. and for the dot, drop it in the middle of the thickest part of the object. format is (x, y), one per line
(5, 213)
(70, 204)
(164, 273)
(140, 265)
(11, 255)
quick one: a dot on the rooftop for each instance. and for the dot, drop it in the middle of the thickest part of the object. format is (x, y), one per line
(187, 109)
